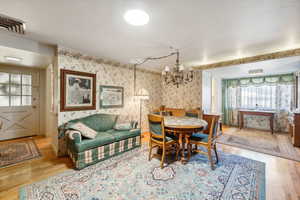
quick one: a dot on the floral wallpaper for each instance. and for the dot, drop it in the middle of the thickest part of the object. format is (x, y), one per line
(109, 73)
(187, 96)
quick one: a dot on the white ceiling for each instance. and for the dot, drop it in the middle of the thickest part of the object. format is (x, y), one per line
(270, 67)
(205, 31)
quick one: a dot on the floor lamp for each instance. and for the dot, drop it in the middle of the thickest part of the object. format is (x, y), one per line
(142, 95)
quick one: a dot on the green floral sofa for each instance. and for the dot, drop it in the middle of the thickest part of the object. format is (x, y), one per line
(107, 143)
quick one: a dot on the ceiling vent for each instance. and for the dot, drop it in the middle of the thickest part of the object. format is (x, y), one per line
(11, 24)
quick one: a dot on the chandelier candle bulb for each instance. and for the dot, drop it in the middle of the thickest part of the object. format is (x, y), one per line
(181, 68)
(167, 69)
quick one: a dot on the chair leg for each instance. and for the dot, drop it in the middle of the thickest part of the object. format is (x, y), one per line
(210, 158)
(163, 158)
(216, 153)
(177, 151)
(196, 147)
(150, 150)
(189, 150)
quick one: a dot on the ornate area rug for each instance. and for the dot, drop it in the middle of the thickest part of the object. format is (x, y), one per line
(131, 176)
(14, 152)
(278, 144)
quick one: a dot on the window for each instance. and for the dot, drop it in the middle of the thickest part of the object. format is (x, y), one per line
(259, 97)
(15, 89)
(262, 97)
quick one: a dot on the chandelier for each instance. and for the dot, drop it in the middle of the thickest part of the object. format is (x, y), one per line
(177, 75)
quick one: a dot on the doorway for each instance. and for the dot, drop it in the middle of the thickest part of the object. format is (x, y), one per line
(19, 103)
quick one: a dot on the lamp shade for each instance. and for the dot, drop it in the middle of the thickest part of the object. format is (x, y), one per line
(142, 94)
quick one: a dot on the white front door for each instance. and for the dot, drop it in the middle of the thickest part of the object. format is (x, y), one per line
(19, 104)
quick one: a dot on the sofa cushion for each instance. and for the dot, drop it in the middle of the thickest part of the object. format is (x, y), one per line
(98, 122)
(122, 135)
(101, 139)
(84, 130)
(123, 126)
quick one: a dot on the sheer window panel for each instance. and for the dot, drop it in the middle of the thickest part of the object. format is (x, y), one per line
(26, 90)
(15, 78)
(4, 100)
(15, 100)
(4, 89)
(258, 97)
(26, 79)
(26, 100)
(4, 77)
(15, 89)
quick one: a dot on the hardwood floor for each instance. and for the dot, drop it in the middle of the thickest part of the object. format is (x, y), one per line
(282, 176)
(277, 144)
(11, 178)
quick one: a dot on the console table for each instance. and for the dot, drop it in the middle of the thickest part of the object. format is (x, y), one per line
(259, 113)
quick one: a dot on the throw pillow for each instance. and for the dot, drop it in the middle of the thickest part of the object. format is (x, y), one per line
(134, 124)
(84, 130)
(123, 127)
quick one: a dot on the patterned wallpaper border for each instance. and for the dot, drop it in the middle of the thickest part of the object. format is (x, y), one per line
(78, 55)
(251, 59)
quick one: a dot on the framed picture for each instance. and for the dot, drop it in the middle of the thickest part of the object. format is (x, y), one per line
(111, 96)
(78, 91)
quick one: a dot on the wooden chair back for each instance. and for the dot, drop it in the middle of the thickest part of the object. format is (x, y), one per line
(197, 113)
(156, 128)
(177, 112)
(156, 111)
(213, 130)
(209, 119)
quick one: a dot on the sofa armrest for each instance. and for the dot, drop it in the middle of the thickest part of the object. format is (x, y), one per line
(75, 136)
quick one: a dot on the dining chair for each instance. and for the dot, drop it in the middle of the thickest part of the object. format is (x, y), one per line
(207, 141)
(158, 137)
(196, 113)
(161, 112)
(177, 112)
(208, 118)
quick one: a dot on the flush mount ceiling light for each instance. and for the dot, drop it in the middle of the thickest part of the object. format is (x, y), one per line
(13, 59)
(136, 17)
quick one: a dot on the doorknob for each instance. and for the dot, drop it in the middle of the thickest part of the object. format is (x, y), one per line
(34, 107)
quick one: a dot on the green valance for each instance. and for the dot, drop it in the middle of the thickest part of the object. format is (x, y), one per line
(283, 78)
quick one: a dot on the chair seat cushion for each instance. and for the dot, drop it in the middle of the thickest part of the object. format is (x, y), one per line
(168, 139)
(170, 135)
(199, 137)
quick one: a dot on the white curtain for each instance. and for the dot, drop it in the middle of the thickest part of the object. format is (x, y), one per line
(276, 97)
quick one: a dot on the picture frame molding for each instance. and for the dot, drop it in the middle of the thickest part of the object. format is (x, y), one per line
(113, 106)
(63, 76)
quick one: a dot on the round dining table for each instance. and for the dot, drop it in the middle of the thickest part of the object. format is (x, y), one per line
(183, 128)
